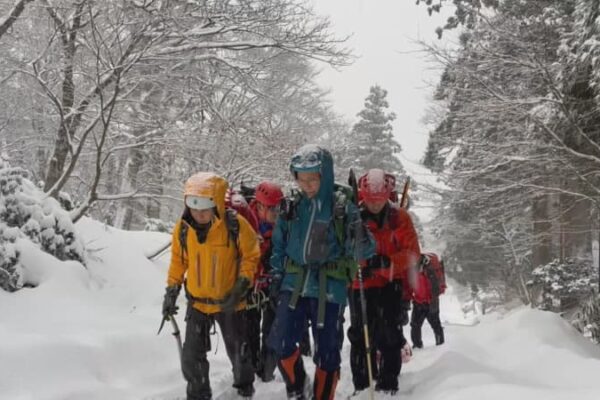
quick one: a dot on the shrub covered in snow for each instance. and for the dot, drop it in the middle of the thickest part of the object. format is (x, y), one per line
(562, 285)
(158, 225)
(587, 319)
(25, 212)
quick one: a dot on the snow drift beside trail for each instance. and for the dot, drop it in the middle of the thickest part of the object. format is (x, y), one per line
(91, 334)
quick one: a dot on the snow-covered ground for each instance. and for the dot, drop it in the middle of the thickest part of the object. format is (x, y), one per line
(91, 334)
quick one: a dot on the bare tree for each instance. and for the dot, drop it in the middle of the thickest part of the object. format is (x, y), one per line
(121, 78)
(11, 16)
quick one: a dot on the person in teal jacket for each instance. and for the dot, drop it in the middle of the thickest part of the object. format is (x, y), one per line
(315, 255)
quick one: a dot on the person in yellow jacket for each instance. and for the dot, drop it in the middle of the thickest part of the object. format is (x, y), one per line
(214, 254)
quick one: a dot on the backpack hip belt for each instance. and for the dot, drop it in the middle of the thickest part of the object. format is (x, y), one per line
(335, 270)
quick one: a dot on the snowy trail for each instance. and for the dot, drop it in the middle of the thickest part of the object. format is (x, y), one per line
(91, 334)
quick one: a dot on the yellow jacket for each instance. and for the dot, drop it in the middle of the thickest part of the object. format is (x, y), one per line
(211, 268)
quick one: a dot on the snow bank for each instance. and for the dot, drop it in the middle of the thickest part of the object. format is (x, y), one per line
(88, 333)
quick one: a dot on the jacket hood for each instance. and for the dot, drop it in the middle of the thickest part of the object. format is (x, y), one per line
(312, 158)
(208, 184)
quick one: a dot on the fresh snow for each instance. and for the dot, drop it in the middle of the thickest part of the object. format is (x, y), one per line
(91, 334)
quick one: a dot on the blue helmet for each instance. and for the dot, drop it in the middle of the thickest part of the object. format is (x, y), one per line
(307, 159)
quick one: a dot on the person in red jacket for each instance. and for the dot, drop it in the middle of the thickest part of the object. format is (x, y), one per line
(386, 284)
(265, 206)
(426, 302)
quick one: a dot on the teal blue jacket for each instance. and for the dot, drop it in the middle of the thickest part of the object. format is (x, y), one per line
(309, 239)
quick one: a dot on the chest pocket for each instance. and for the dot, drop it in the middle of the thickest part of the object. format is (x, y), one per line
(214, 271)
(318, 245)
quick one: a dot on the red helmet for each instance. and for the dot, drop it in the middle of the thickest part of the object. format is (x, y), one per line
(376, 185)
(268, 193)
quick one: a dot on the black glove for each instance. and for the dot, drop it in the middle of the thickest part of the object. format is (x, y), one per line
(379, 261)
(366, 271)
(376, 262)
(169, 307)
(235, 295)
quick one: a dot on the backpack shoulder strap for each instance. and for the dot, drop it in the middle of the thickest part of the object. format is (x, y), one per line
(342, 197)
(233, 225)
(233, 231)
(183, 231)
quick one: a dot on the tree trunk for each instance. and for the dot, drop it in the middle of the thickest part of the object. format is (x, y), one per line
(135, 162)
(542, 244)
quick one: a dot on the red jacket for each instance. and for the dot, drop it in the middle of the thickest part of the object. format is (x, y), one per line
(395, 238)
(265, 231)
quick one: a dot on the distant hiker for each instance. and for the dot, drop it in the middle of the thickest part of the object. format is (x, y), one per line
(431, 283)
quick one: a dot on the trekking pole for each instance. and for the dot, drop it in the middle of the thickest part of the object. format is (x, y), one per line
(361, 288)
(363, 308)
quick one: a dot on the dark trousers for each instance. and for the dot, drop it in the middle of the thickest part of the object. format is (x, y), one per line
(197, 343)
(264, 359)
(290, 326)
(386, 313)
(431, 313)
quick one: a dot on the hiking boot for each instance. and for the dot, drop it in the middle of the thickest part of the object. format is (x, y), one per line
(294, 376)
(325, 384)
(387, 388)
(246, 392)
(439, 338)
(305, 394)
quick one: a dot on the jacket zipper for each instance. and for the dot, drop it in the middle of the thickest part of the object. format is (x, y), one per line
(308, 235)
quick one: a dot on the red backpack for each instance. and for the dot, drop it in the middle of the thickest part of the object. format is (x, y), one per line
(236, 201)
(433, 267)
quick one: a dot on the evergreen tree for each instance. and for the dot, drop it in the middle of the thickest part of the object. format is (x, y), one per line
(374, 145)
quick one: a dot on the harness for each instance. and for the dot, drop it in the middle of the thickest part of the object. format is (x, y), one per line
(342, 269)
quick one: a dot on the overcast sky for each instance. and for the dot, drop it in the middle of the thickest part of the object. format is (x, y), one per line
(384, 37)
(385, 33)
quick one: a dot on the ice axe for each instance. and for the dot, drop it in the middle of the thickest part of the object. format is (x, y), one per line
(176, 333)
(404, 199)
(361, 287)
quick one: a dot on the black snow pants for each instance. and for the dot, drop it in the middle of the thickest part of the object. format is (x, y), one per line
(264, 359)
(431, 312)
(197, 343)
(387, 312)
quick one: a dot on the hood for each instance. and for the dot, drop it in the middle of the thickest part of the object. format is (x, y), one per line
(208, 184)
(312, 158)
